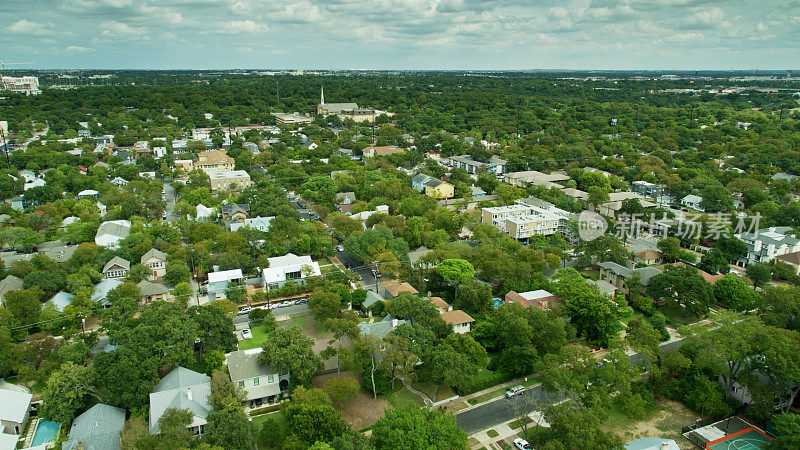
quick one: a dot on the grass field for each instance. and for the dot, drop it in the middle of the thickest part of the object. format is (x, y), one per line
(402, 396)
(428, 388)
(259, 336)
(280, 418)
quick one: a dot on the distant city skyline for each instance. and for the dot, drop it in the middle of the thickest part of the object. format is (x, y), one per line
(401, 34)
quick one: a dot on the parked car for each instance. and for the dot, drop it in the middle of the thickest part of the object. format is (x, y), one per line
(245, 310)
(516, 390)
(283, 304)
(522, 444)
(246, 334)
(340, 248)
(301, 301)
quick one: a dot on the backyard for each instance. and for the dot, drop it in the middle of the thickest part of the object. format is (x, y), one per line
(361, 412)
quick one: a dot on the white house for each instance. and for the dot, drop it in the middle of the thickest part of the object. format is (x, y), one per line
(693, 201)
(14, 412)
(218, 281)
(101, 290)
(289, 267)
(116, 268)
(156, 261)
(256, 223)
(111, 232)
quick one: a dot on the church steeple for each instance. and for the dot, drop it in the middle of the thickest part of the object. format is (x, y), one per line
(321, 95)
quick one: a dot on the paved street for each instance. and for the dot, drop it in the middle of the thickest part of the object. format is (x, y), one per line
(367, 279)
(170, 201)
(504, 409)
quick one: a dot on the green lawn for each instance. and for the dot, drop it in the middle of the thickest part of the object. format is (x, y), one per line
(488, 396)
(428, 388)
(591, 274)
(259, 336)
(403, 396)
(279, 416)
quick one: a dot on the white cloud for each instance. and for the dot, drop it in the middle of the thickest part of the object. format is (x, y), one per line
(114, 29)
(241, 27)
(29, 27)
(78, 49)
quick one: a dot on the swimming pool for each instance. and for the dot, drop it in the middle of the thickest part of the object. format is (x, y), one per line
(45, 432)
(497, 302)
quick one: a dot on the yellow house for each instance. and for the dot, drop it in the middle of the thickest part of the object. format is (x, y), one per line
(439, 189)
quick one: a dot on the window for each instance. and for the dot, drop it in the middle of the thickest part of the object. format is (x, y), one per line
(270, 378)
(255, 381)
(241, 384)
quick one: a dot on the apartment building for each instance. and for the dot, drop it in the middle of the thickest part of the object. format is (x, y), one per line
(228, 180)
(493, 165)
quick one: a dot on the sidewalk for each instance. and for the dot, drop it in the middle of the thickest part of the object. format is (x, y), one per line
(465, 399)
(506, 433)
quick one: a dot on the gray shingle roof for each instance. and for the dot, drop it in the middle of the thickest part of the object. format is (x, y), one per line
(371, 299)
(382, 328)
(124, 263)
(244, 365)
(96, 429)
(148, 288)
(153, 253)
(182, 389)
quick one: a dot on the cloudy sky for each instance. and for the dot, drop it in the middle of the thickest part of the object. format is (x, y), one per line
(401, 34)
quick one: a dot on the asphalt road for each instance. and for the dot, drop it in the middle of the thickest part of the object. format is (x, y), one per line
(505, 409)
(242, 318)
(170, 202)
(367, 279)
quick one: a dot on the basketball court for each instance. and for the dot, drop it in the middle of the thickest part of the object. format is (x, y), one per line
(729, 434)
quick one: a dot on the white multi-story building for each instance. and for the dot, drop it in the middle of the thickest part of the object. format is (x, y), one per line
(768, 243)
(23, 85)
(527, 218)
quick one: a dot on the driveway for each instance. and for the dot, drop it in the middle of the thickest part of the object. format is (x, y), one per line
(169, 193)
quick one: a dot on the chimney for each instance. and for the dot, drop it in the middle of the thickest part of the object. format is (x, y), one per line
(665, 446)
(189, 393)
(394, 323)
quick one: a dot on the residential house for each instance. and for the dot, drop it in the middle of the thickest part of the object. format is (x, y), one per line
(492, 165)
(8, 441)
(577, 194)
(371, 302)
(152, 292)
(213, 160)
(344, 202)
(228, 180)
(111, 232)
(289, 267)
(89, 194)
(156, 261)
(61, 300)
(648, 257)
(382, 328)
(203, 213)
(16, 403)
(710, 279)
(418, 182)
(371, 152)
(767, 244)
(393, 288)
(218, 282)
(116, 269)
(234, 213)
(460, 320)
(364, 215)
(617, 199)
(793, 259)
(182, 389)
(98, 428)
(415, 257)
(693, 201)
(439, 189)
(101, 290)
(618, 275)
(256, 223)
(261, 384)
(477, 192)
(10, 283)
(649, 443)
(539, 299)
(119, 181)
(785, 177)
(604, 287)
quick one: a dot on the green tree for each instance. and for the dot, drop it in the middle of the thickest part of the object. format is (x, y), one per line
(312, 423)
(65, 393)
(176, 272)
(455, 272)
(342, 389)
(580, 428)
(780, 307)
(410, 427)
(288, 349)
(182, 293)
(229, 428)
(732, 292)
(682, 286)
(225, 394)
(474, 296)
(787, 429)
(759, 273)
(324, 305)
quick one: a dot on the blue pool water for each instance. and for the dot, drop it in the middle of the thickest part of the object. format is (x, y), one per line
(497, 302)
(45, 432)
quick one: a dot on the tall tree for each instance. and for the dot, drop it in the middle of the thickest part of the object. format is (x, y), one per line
(410, 427)
(288, 349)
